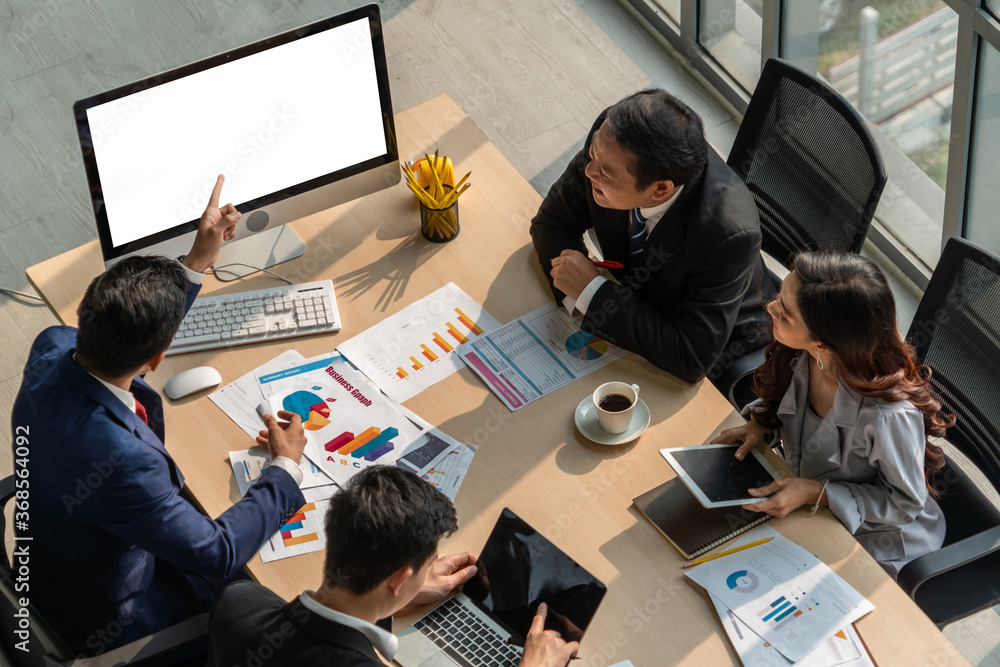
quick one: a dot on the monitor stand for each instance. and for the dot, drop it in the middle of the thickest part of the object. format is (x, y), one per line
(258, 251)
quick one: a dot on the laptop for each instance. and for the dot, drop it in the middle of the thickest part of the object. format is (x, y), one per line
(486, 624)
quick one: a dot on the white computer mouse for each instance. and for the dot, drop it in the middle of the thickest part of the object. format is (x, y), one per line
(191, 381)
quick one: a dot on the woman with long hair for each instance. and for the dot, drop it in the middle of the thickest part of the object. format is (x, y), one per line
(852, 408)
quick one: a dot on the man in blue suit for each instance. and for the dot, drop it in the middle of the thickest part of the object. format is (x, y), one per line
(117, 549)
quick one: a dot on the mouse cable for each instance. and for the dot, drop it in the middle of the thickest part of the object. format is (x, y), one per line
(12, 292)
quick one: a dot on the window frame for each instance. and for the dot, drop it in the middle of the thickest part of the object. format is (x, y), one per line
(977, 29)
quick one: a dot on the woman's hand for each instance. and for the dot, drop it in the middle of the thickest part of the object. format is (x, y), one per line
(788, 495)
(750, 434)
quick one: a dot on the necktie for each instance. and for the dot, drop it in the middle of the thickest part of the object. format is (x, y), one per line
(140, 412)
(637, 235)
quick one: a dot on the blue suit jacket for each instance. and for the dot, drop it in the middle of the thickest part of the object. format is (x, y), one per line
(117, 550)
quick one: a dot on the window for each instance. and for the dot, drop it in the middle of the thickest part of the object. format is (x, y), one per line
(894, 60)
(982, 218)
(731, 31)
(925, 73)
(673, 8)
(993, 7)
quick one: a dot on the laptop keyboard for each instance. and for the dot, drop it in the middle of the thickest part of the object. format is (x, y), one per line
(466, 639)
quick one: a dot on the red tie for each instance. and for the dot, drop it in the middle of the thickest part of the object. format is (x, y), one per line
(140, 412)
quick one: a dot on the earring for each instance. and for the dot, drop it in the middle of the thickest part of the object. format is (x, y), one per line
(819, 361)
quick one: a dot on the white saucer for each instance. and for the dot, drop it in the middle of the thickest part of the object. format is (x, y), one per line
(586, 421)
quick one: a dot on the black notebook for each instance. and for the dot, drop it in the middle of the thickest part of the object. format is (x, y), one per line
(690, 527)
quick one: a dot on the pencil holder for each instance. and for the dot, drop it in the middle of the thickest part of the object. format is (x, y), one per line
(439, 225)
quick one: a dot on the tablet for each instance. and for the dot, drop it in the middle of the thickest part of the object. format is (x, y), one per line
(716, 478)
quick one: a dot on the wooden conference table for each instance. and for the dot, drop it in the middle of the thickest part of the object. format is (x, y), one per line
(534, 461)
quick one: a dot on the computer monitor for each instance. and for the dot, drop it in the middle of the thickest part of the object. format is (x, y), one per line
(298, 123)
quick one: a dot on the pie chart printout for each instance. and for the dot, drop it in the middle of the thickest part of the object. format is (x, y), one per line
(586, 347)
(314, 410)
(742, 581)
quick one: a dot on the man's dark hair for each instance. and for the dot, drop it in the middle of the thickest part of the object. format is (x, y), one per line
(383, 520)
(665, 135)
(130, 313)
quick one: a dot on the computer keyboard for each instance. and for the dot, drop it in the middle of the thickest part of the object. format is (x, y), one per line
(466, 639)
(259, 315)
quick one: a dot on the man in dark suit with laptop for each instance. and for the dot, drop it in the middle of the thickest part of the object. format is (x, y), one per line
(383, 531)
(681, 223)
(117, 549)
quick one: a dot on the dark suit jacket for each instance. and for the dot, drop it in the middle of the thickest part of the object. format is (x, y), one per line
(117, 550)
(249, 621)
(698, 283)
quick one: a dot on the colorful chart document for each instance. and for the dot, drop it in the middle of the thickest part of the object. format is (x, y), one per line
(239, 399)
(448, 473)
(304, 532)
(784, 594)
(844, 648)
(349, 425)
(415, 348)
(535, 355)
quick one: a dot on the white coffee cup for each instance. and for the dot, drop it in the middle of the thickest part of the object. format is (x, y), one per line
(616, 421)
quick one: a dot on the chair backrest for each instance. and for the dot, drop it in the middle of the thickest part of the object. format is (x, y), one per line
(810, 162)
(956, 332)
(45, 648)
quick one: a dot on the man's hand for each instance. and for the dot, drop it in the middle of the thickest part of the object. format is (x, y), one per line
(216, 225)
(788, 495)
(286, 440)
(545, 648)
(447, 574)
(572, 271)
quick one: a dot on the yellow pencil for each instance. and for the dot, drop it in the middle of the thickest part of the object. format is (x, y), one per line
(438, 190)
(457, 186)
(422, 195)
(453, 196)
(699, 561)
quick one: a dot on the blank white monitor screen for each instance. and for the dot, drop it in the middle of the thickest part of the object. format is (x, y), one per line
(267, 121)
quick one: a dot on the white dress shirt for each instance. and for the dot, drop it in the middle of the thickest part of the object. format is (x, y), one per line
(384, 641)
(128, 399)
(652, 216)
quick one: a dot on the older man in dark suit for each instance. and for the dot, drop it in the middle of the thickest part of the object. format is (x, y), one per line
(681, 223)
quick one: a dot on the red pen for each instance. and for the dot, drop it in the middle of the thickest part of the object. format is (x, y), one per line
(609, 265)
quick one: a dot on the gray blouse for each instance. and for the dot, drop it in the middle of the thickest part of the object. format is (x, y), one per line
(872, 453)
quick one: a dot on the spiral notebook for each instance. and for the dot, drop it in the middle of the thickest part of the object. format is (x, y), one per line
(691, 528)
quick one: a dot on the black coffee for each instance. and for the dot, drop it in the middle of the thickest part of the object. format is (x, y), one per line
(615, 403)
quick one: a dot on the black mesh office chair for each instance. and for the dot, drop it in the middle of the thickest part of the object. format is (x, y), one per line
(956, 332)
(182, 645)
(815, 171)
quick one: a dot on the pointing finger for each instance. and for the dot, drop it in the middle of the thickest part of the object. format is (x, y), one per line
(213, 201)
(538, 623)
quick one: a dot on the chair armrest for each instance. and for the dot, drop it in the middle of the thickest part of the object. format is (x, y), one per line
(960, 559)
(185, 640)
(730, 374)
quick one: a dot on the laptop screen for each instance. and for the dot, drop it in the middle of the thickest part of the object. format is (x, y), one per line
(519, 569)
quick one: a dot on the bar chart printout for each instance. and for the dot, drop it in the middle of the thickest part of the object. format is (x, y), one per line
(415, 348)
(783, 593)
(304, 531)
(536, 354)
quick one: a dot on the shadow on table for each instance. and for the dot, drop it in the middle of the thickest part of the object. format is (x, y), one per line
(395, 268)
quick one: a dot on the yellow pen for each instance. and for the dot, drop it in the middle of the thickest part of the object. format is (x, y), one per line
(699, 561)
